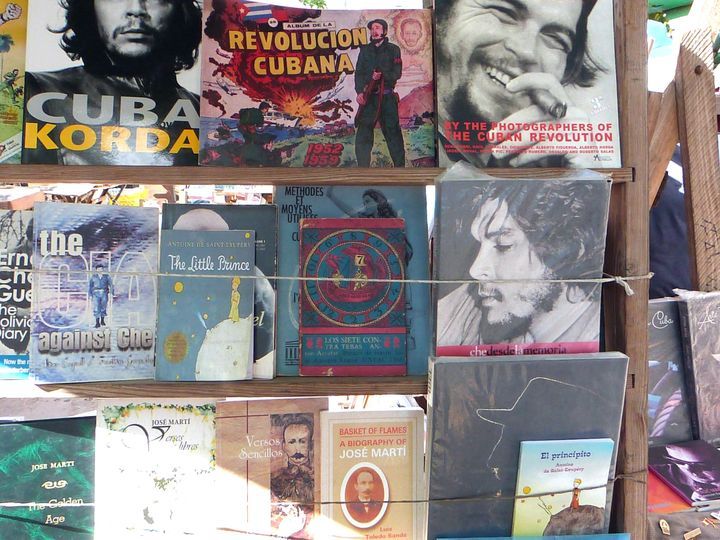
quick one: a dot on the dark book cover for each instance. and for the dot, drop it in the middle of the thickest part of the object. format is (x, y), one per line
(406, 202)
(205, 306)
(296, 87)
(691, 469)
(263, 219)
(15, 292)
(352, 299)
(47, 468)
(112, 86)
(481, 409)
(700, 325)
(527, 84)
(95, 292)
(516, 260)
(668, 410)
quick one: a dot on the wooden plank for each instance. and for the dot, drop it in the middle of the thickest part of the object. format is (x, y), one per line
(627, 255)
(244, 176)
(662, 134)
(279, 387)
(701, 170)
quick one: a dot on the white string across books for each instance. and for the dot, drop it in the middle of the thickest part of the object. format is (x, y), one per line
(623, 281)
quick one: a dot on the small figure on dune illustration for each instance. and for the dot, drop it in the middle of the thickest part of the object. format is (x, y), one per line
(226, 352)
(576, 518)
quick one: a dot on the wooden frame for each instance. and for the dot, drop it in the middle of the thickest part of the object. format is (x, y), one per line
(627, 255)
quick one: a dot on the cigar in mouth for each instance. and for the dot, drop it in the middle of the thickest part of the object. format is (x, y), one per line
(548, 103)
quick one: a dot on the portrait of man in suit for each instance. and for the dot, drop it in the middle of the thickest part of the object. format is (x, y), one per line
(365, 498)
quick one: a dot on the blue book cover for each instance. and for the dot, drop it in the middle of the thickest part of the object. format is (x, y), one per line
(15, 292)
(562, 487)
(407, 202)
(263, 219)
(205, 325)
(94, 292)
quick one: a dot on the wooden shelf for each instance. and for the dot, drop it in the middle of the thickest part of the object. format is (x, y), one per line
(279, 176)
(279, 387)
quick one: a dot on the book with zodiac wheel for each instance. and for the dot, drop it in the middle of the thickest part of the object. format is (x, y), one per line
(352, 301)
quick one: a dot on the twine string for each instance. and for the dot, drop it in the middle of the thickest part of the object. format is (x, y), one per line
(622, 281)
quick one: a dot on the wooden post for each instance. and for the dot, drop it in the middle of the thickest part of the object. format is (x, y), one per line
(701, 170)
(627, 255)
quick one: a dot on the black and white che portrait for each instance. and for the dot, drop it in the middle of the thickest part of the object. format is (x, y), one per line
(515, 242)
(527, 83)
(112, 82)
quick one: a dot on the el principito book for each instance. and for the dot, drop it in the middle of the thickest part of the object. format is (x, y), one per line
(269, 472)
(15, 292)
(263, 219)
(205, 323)
(308, 66)
(352, 300)
(562, 487)
(94, 292)
(406, 202)
(372, 472)
(50, 465)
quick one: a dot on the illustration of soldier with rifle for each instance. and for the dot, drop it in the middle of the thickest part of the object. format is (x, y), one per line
(379, 66)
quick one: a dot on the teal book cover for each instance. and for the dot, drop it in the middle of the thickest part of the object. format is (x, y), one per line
(47, 469)
(15, 292)
(562, 487)
(406, 202)
(206, 306)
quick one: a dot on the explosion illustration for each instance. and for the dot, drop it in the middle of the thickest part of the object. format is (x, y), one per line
(291, 80)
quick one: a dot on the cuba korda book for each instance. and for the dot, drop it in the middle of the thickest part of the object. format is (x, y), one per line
(269, 477)
(294, 87)
(15, 292)
(94, 293)
(505, 103)
(48, 467)
(263, 219)
(205, 323)
(668, 408)
(406, 202)
(691, 469)
(481, 409)
(154, 463)
(111, 88)
(352, 299)
(372, 473)
(516, 260)
(699, 324)
(12, 71)
(562, 487)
